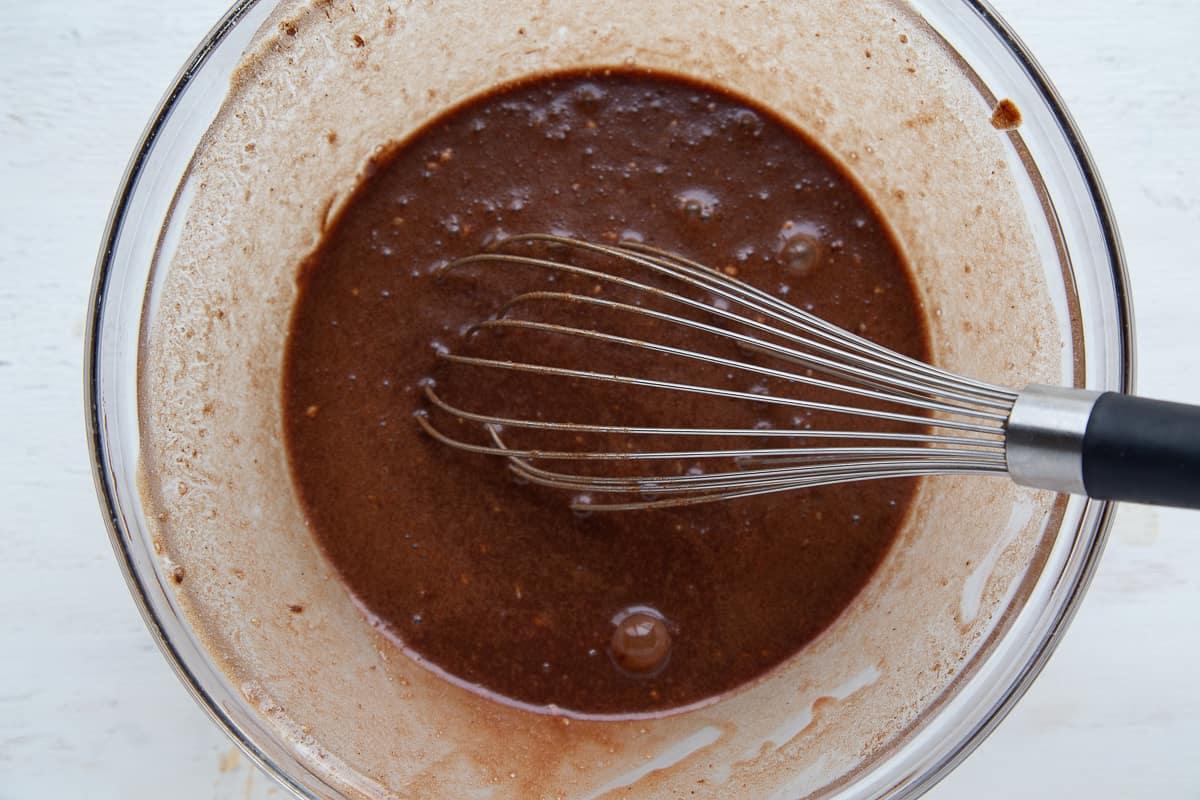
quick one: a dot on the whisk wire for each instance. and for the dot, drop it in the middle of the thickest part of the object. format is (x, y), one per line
(680, 268)
(749, 341)
(867, 362)
(501, 422)
(958, 424)
(712, 391)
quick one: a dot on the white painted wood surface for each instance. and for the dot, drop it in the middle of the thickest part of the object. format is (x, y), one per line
(89, 709)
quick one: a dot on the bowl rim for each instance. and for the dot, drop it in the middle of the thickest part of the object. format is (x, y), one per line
(98, 446)
(93, 416)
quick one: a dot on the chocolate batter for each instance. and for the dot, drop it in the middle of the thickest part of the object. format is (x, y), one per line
(496, 583)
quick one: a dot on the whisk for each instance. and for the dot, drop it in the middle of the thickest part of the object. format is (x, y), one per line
(904, 418)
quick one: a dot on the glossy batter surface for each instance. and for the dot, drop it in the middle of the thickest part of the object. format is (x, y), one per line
(497, 583)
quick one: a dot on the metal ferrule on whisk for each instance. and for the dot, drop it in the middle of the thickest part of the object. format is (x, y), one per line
(1045, 434)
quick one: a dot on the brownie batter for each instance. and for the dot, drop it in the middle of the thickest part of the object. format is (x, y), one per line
(497, 583)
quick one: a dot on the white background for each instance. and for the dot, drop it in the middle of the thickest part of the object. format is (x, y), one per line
(88, 707)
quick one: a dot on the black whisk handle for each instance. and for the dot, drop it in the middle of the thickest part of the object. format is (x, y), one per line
(1106, 445)
(1143, 451)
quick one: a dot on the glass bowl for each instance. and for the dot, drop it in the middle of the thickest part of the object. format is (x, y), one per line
(303, 701)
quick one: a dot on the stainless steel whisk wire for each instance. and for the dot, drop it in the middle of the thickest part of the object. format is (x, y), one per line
(963, 433)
